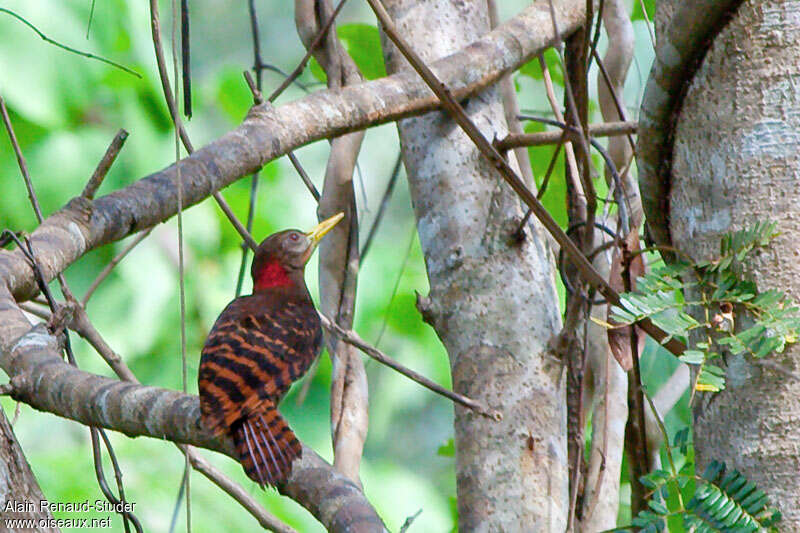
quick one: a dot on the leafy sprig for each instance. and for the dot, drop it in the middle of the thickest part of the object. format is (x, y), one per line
(714, 309)
(723, 501)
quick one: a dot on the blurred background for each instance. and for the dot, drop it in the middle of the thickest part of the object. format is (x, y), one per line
(66, 109)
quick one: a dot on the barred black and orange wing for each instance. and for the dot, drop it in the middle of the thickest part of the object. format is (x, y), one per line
(256, 349)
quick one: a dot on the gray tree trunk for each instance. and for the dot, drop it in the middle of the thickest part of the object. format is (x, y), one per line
(19, 490)
(736, 161)
(493, 303)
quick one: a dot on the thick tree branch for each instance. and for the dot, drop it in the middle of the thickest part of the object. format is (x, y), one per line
(43, 380)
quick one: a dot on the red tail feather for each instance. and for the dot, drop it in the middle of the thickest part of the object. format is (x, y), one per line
(266, 445)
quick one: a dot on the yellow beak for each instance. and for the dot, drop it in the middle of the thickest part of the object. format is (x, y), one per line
(319, 231)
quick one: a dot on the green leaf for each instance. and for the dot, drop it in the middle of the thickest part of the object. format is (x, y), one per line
(363, 43)
(534, 70)
(233, 96)
(316, 70)
(638, 14)
(658, 506)
(681, 440)
(710, 379)
(448, 449)
(693, 357)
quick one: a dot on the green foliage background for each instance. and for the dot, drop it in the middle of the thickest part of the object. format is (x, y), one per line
(66, 109)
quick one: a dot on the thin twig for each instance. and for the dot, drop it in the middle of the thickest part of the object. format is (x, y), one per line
(409, 521)
(617, 101)
(89, 24)
(639, 465)
(258, 99)
(276, 70)
(5, 238)
(236, 491)
(403, 265)
(68, 48)
(542, 138)
(663, 429)
(81, 325)
(569, 148)
(304, 176)
(94, 433)
(596, 38)
(255, 90)
(186, 62)
(181, 266)
(648, 23)
(352, 338)
(246, 236)
(104, 165)
(550, 167)
(23, 167)
(577, 118)
(258, 64)
(619, 193)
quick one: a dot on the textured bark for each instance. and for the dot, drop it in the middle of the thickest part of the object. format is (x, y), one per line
(736, 162)
(492, 303)
(17, 483)
(681, 46)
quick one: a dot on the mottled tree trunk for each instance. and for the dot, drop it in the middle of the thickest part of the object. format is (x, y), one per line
(19, 490)
(736, 162)
(492, 302)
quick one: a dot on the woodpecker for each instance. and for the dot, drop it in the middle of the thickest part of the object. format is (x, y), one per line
(261, 344)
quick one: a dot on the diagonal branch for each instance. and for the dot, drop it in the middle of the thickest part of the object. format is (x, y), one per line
(352, 338)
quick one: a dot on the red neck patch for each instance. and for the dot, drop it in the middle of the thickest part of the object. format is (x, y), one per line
(271, 274)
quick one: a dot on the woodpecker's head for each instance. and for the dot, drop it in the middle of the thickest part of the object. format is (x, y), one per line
(281, 258)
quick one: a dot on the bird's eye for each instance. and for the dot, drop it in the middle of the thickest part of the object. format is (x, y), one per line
(294, 237)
